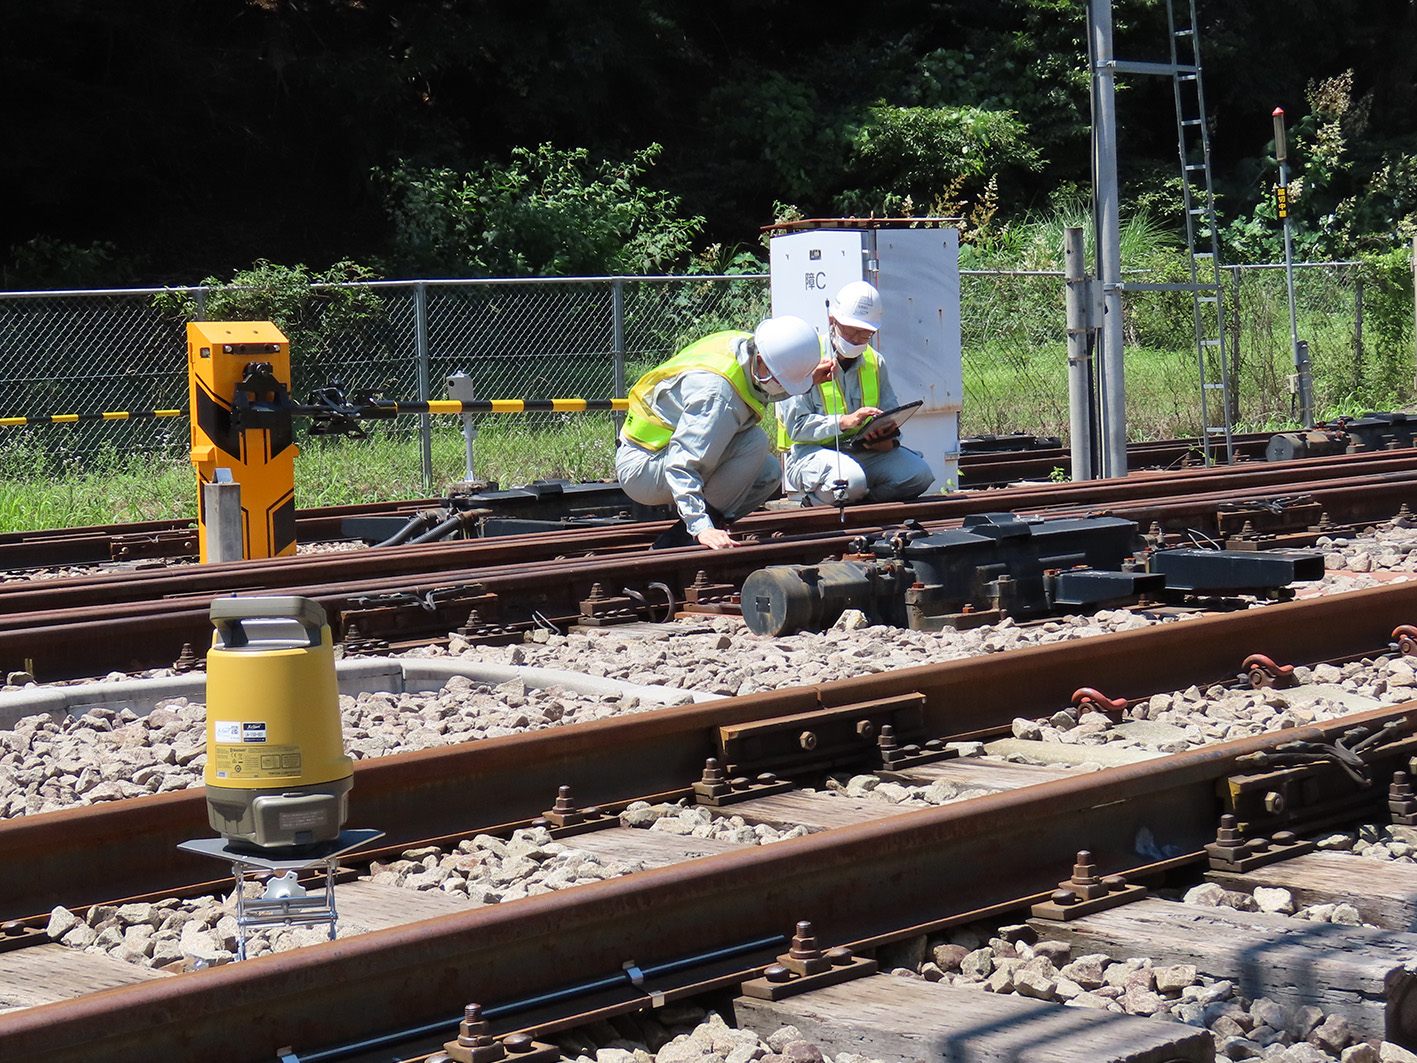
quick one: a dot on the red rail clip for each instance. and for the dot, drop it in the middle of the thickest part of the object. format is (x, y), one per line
(1405, 635)
(1087, 699)
(1263, 672)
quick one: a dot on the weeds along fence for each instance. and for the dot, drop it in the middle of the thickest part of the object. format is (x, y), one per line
(1357, 322)
(125, 350)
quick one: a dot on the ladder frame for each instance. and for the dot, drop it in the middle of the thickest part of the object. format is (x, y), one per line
(1208, 296)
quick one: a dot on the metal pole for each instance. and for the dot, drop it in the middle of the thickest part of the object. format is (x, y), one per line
(420, 340)
(1358, 333)
(1112, 390)
(617, 332)
(1239, 319)
(1077, 294)
(1302, 381)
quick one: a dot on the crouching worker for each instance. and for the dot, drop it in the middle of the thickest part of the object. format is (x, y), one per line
(828, 461)
(692, 435)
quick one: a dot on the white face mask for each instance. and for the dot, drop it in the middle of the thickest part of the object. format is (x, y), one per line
(847, 352)
(771, 389)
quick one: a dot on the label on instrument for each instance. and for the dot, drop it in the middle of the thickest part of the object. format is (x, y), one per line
(231, 731)
(267, 762)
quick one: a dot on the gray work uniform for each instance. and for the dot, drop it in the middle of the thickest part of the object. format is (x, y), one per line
(812, 467)
(718, 456)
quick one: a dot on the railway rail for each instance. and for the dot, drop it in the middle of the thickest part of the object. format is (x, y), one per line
(496, 589)
(177, 538)
(984, 468)
(860, 885)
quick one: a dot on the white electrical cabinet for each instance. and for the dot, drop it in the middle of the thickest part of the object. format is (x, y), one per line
(917, 272)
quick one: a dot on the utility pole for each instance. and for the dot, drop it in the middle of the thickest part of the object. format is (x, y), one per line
(1111, 376)
(1303, 377)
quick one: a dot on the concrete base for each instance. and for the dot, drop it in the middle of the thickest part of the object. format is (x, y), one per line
(393, 674)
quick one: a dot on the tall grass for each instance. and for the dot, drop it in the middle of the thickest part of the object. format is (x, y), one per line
(39, 491)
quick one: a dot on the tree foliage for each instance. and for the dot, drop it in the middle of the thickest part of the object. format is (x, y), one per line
(316, 309)
(158, 140)
(548, 212)
(915, 154)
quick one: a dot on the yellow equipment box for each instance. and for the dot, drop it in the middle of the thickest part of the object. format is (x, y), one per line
(223, 357)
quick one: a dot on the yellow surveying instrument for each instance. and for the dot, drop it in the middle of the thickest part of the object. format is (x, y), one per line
(238, 376)
(277, 774)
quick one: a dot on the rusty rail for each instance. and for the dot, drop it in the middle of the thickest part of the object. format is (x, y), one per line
(90, 625)
(860, 885)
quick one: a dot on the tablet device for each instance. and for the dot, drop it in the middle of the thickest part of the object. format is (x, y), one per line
(891, 420)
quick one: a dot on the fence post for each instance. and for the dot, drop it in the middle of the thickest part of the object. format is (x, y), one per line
(617, 341)
(1414, 305)
(1235, 348)
(420, 341)
(1358, 332)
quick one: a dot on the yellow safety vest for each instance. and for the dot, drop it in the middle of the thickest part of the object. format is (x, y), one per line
(834, 402)
(712, 354)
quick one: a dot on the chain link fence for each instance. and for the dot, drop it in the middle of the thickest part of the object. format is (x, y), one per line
(80, 352)
(1359, 331)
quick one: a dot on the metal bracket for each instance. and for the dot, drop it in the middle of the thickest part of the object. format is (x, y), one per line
(601, 609)
(1063, 913)
(1085, 893)
(1404, 639)
(1258, 671)
(806, 967)
(823, 738)
(565, 818)
(1258, 852)
(16, 934)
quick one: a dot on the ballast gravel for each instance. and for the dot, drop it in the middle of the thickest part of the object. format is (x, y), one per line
(105, 755)
(685, 1033)
(1012, 959)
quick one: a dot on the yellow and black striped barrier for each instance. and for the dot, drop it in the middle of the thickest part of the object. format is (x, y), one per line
(386, 408)
(511, 406)
(74, 418)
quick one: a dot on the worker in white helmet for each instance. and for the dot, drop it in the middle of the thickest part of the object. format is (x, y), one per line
(692, 435)
(816, 427)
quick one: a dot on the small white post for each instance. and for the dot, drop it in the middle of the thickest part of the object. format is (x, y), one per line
(221, 502)
(460, 389)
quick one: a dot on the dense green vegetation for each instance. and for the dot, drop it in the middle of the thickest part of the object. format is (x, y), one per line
(162, 141)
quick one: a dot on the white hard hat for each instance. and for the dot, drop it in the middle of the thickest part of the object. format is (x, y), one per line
(858, 305)
(789, 347)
